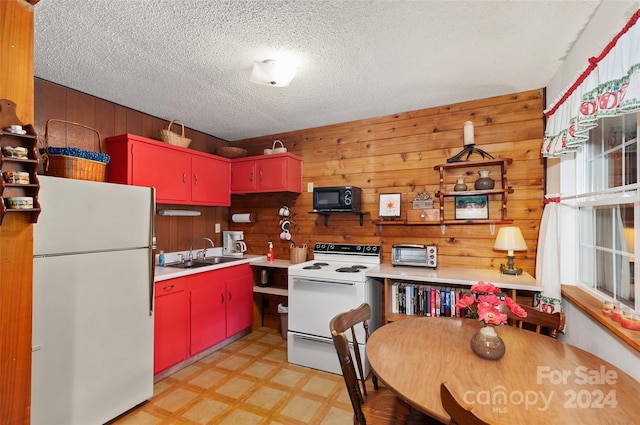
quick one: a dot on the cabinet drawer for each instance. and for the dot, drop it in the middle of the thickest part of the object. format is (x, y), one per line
(423, 215)
(169, 286)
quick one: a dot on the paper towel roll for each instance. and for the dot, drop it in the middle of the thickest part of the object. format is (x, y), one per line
(241, 218)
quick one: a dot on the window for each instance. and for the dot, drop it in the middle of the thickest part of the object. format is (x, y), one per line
(609, 210)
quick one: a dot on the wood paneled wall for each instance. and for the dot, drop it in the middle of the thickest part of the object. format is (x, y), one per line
(396, 154)
(16, 232)
(110, 119)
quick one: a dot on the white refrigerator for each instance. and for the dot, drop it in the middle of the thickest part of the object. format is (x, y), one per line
(92, 301)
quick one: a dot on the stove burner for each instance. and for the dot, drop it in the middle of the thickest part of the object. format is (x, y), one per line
(311, 267)
(358, 266)
(320, 264)
(347, 270)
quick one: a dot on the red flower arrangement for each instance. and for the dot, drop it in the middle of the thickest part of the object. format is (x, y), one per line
(488, 304)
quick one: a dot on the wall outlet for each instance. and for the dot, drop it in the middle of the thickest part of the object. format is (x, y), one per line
(310, 187)
(217, 227)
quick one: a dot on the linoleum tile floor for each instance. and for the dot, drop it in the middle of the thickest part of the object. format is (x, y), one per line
(250, 382)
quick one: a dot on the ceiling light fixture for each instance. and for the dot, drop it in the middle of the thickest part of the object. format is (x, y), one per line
(272, 72)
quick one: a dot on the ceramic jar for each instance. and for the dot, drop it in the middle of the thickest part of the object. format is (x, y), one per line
(486, 343)
(484, 182)
(460, 185)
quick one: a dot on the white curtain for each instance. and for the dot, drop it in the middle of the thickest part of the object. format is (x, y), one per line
(548, 256)
(609, 86)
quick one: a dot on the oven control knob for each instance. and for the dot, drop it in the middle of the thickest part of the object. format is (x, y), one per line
(347, 197)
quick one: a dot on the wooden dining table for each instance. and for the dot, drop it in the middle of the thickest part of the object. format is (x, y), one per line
(539, 380)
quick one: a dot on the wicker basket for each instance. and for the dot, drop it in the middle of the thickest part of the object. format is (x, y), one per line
(168, 136)
(298, 255)
(72, 167)
(231, 152)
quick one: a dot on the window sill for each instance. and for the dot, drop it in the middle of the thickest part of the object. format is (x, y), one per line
(592, 306)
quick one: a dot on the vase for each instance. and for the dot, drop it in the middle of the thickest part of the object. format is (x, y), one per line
(460, 186)
(486, 343)
(484, 182)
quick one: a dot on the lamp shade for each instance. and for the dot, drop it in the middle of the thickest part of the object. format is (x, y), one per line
(510, 239)
(273, 73)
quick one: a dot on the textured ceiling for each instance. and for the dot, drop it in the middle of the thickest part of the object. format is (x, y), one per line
(192, 59)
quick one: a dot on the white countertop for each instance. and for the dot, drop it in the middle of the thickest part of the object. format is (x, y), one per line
(456, 276)
(164, 273)
(440, 275)
(277, 264)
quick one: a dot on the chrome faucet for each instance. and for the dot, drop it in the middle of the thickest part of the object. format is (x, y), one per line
(204, 251)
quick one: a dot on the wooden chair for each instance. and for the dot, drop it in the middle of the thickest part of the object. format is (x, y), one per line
(460, 414)
(539, 321)
(340, 324)
(356, 383)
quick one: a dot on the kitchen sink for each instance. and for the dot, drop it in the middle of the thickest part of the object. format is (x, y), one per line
(211, 261)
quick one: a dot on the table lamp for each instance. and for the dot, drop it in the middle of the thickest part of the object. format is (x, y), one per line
(510, 239)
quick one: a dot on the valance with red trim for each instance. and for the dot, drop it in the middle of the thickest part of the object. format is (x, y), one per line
(610, 86)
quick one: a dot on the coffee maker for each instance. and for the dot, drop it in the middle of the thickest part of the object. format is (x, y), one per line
(233, 243)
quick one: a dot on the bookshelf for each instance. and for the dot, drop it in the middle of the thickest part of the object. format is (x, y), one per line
(521, 288)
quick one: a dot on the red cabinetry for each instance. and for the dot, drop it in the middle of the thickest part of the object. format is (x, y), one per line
(239, 299)
(198, 311)
(269, 173)
(171, 324)
(207, 310)
(180, 176)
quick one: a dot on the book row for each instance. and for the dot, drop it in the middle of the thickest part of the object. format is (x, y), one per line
(426, 300)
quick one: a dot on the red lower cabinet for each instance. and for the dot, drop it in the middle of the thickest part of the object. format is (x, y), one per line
(206, 311)
(171, 324)
(239, 300)
(196, 312)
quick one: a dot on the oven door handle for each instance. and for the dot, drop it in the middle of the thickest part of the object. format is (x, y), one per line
(319, 339)
(323, 282)
(313, 338)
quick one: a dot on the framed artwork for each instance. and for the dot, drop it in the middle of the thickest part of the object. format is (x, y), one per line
(472, 207)
(390, 205)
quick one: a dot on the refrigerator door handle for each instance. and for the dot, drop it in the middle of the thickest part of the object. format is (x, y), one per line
(152, 250)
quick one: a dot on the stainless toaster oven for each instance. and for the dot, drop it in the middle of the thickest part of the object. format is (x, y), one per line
(414, 255)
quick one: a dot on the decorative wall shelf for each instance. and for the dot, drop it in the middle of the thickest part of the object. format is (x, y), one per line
(326, 215)
(28, 165)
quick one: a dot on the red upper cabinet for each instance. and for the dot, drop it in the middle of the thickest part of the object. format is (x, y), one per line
(269, 173)
(180, 176)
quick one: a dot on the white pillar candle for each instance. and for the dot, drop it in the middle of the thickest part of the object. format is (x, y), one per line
(468, 133)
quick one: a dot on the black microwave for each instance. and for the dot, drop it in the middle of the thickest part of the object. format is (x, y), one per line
(337, 198)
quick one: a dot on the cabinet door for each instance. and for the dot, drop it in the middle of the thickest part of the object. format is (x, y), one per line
(210, 180)
(171, 324)
(206, 311)
(243, 177)
(240, 299)
(272, 174)
(166, 170)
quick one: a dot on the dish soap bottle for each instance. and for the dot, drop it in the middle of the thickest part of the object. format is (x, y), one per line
(270, 254)
(161, 259)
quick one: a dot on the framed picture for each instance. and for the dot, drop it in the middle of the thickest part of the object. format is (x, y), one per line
(472, 207)
(390, 205)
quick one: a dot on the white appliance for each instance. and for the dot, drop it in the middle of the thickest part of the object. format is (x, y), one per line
(92, 301)
(333, 282)
(233, 243)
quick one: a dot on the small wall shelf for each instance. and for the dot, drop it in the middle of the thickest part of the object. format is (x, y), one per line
(28, 165)
(326, 215)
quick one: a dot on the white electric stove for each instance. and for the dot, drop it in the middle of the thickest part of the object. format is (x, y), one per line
(333, 282)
